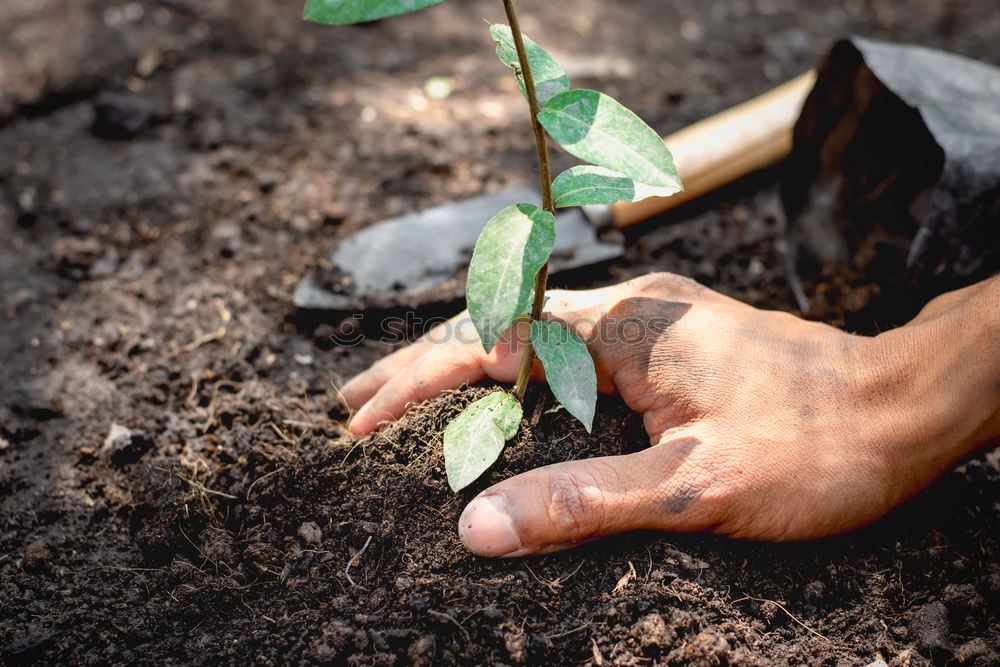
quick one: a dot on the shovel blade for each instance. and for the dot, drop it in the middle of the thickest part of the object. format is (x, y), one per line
(422, 258)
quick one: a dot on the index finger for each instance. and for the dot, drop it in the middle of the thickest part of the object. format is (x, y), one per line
(360, 389)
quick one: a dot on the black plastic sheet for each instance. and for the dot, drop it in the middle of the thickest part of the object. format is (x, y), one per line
(895, 169)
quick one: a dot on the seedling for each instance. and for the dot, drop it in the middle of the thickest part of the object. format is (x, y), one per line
(509, 268)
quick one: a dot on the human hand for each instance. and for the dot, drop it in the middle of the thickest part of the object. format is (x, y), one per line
(762, 425)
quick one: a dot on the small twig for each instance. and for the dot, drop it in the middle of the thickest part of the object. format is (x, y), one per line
(198, 486)
(194, 390)
(625, 578)
(477, 611)
(204, 339)
(301, 424)
(132, 570)
(537, 414)
(782, 608)
(537, 578)
(350, 563)
(281, 434)
(569, 632)
(211, 335)
(556, 583)
(569, 576)
(360, 443)
(452, 620)
(262, 478)
(204, 489)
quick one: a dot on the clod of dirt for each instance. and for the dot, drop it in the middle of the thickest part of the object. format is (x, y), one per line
(119, 117)
(421, 652)
(972, 649)
(814, 590)
(930, 627)
(310, 533)
(962, 599)
(117, 437)
(707, 648)
(338, 639)
(123, 447)
(909, 658)
(652, 630)
(515, 642)
(36, 556)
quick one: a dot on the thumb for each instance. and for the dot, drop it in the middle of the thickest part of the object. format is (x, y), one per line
(559, 506)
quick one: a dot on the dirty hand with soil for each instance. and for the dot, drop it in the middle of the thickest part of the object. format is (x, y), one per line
(763, 425)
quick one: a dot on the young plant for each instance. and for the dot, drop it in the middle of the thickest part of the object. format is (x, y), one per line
(509, 268)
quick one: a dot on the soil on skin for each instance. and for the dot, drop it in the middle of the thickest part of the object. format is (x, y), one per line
(176, 485)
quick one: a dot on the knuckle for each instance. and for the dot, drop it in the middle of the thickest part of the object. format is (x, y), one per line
(705, 489)
(576, 505)
(716, 503)
(558, 299)
(648, 280)
(382, 364)
(635, 362)
(670, 282)
(730, 503)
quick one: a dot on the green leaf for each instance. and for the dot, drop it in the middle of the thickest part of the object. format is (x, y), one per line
(596, 128)
(475, 438)
(549, 77)
(569, 369)
(344, 12)
(586, 184)
(513, 246)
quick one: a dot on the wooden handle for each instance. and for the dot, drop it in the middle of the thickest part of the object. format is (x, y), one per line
(726, 146)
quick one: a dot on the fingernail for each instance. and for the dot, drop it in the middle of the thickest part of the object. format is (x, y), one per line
(487, 529)
(360, 414)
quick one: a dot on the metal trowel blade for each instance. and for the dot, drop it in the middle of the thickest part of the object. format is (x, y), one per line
(421, 258)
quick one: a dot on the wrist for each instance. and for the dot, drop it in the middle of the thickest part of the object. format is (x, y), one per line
(964, 343)
(935, 383)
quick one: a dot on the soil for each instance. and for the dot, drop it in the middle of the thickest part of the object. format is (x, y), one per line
(176, 485)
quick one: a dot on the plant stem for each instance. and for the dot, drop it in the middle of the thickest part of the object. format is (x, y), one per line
(545, 175)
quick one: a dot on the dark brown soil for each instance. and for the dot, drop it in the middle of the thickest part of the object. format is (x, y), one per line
(175, 481)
